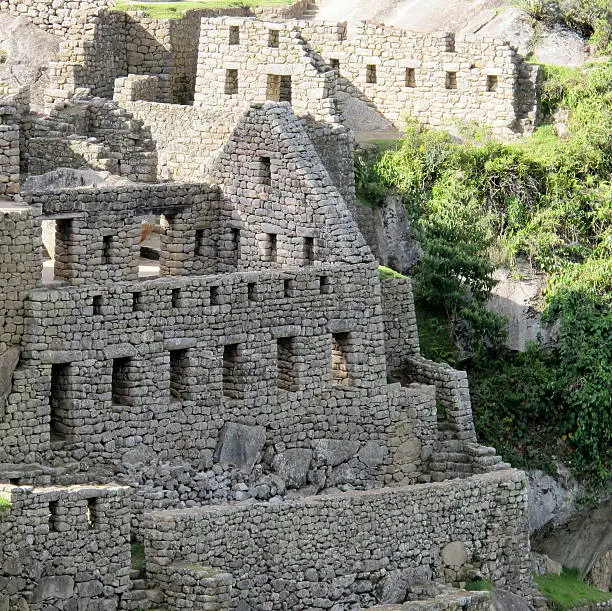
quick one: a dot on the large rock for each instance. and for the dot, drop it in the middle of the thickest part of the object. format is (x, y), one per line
(49, 588)
(541, 564)
(454, 554)
(373, 454)
(334, 451)
(506, 601)
(292, 466)
(394, 586)
(240, 445)
(8, 362)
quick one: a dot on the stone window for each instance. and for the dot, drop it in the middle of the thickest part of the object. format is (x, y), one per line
(107, 249)
(285, 88)
(232, 387)
(492, 82)
(371, 73)
(121, 381)
(339, 365)
(410, 77)
(286, 375)
(288, 288)
(273, 87)
(325, 287)
(178, 373)
(214, 295)
(53, 516)
(91, 513)
(335, 65)
(59, 401)
(270, 248)
(264, 170)
(64, 236)
(251, 287)
(199, 242)
(308, 251)
(176, 298)
(137, 302)
(234, 35)
(451, 80)
(231, 82)
(274, 38)
(97, 304)
(235, 244)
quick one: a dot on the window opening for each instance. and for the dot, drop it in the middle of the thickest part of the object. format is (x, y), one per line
(371, 73)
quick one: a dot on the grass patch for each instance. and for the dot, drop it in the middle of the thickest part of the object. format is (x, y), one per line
(479, 585)
(175, 10)
(568, 590)
(387, 272)
(138, 557)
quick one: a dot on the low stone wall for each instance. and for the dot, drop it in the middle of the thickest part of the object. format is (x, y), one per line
(328, 550)
(63, 547)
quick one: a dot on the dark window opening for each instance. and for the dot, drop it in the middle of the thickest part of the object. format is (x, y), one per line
(59, 401)
(339, 365)
(97, 304)
(265, 170)
(234, 35)
(324, 285)
(450, 46)
(274, 38)
(235, 244)
(285, 89)
(309, 251)
(273, 87)
(91, 513)
(251, 291)
(199, 242)
(107, 249)
(271, 248)
(371, 73)
(137, 302)
(63, 248)
(176, 298)
(335, 65)
(288, 288)
(492, 82)
(53, 517)
(178, 373)
(410, 77)
(121, 383)
(286, 375)
(14, 481)
(451, 80)
(231, 373)
(231, 82)
(214, 295)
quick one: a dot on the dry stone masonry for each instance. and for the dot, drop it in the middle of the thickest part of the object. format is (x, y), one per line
(209, 367)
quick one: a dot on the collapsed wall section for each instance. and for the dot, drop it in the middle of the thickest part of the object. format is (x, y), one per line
(336, 550)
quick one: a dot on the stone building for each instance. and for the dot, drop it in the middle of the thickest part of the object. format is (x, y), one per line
(204, 368)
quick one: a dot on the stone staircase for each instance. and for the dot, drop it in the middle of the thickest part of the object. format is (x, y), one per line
(141, 596)
(311, 12)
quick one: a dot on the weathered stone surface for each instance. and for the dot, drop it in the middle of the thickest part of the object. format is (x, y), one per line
(334, 451)
(408, 452)
(454, 554)
(373, 454)
(507, 601)
(8, 362)
(61, 587)
(292, 466)
(543, 564)
(240, 445)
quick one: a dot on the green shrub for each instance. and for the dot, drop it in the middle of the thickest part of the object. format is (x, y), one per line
(479, 585)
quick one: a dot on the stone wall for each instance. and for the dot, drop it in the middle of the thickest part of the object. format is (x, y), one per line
(321, 551)
(431, 78)
(64, 546)
(9, 150)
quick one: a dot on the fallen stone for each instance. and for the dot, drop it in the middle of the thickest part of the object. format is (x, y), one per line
(506, 601)
(454, 554)
(292, 466)
(334, 451)
(372, 454)
(240, 445)
(61, 587)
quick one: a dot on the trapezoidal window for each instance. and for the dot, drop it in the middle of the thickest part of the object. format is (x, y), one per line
(53, 516)
(270, 248)
(492, 82)
(235, 245)
(335, 65)
(339, 364)
(200, 242)
(214, 295)
(410, 77)
(273, 87)
(234, 35)
(232, 374)
(176, 298)
(231, 82)
(251, 291)
(371, 73)
(107, 250)
(60, 402)
(274, 38)
(286, 375)
(91, 513)
(179, 362)
(121, 382)
(97, 303)
(64, 238)
(451, 80)
(284, 94)
(264, 170)
(308, 251)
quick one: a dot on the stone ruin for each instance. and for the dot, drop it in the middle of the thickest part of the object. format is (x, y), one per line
(202, 372)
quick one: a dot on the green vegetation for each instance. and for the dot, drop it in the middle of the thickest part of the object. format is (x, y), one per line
(387, 272)
(4, 504)
(567, 590)
(590, 18)
(480, 204)
(479, 585)
(175, 10)
(138, 557)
